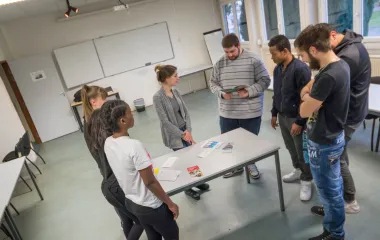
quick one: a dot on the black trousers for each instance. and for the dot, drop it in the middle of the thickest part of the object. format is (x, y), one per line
(158, 223)
(115, 196)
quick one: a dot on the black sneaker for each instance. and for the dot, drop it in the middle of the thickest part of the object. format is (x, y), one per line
(234, 173)
(318, 210)
(325, 236)
(193, 194)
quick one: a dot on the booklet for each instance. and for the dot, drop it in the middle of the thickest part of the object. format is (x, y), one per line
(211, 144)
(195, 171)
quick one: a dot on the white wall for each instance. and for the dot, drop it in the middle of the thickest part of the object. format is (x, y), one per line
(11, 128)
(187, 20)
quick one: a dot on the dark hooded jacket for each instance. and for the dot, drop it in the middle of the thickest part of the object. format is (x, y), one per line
(352, 51)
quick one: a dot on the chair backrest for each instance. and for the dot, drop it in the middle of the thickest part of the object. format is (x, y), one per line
(109, 89)
(23, 145)
(375, 80)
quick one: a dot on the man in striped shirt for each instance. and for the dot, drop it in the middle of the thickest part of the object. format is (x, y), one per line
(239, 78)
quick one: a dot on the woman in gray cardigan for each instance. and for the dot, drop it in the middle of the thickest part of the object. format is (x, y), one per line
(174, 116)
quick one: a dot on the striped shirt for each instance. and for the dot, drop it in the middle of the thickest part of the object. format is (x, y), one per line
(247, 70)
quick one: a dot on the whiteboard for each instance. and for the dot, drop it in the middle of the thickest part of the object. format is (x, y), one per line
(134, 49)
(79, 64)
(213, 41)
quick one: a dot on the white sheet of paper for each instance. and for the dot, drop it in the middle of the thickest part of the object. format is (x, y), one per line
(168, 175)
(169, 162)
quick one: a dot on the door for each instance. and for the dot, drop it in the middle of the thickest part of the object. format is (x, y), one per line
(44, 96)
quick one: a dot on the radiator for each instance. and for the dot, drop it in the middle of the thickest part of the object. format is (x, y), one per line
(375, 65)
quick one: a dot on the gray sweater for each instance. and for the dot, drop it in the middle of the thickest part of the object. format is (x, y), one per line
(247, 70)
(171, 133)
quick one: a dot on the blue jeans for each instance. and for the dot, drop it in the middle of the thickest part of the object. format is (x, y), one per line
(251, 124)
(325, 167)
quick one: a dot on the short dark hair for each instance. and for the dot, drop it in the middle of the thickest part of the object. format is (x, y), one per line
(230, 40)
(281, 42)
(317, 36)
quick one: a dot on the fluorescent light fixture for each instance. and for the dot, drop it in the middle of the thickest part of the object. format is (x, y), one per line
(5, 2)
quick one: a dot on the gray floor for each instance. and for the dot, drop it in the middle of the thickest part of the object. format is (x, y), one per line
(74, 208)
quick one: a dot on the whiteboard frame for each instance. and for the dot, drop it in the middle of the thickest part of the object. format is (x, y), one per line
(151, 63)
(209, 32)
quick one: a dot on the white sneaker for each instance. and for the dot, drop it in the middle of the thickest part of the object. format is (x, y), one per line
(352, 208)
(293, 176)
(306, 190)
(253, 171)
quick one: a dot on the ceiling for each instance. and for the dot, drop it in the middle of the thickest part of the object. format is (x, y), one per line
(30, 8)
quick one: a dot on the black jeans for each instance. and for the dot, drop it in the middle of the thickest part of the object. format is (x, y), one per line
(294, 146)
(158, 223)
(348, 181)
(115, 196)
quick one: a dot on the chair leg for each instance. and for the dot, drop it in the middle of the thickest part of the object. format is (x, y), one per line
(26, 183)
(364, 125)
(378, 138)
(373, 133)
(14, 208)
(5, 230)
(34, 165)
(43, 160)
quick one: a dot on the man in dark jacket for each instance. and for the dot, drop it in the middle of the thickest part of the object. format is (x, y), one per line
(349, 47)
(289, 77)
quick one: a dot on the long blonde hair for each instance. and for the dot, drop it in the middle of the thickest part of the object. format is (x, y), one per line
(88, 93)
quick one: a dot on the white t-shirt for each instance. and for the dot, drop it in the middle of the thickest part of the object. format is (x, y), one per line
(126, 157)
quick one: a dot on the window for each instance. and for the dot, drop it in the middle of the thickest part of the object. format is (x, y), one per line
(292, 23)
(229, 18)
(371, 17)
(289, 18)
(270, 14)
(242, 20)
(340, 14)
(235, 20)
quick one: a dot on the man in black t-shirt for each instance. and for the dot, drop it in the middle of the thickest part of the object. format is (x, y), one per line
(325, 103)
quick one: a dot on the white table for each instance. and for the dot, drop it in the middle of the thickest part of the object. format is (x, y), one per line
(248, 149)
(9, 174)
(193, 70)
(374, 99)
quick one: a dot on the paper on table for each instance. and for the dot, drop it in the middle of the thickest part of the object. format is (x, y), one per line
(168, 175)
(169, 162)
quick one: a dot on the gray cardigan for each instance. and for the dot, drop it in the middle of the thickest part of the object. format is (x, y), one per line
(171, 134)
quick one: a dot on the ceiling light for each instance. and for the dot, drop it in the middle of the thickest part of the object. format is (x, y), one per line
(4, 2)
(69, 9)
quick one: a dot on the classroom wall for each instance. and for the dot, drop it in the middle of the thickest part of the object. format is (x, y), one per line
(187, 20)
(11, 128)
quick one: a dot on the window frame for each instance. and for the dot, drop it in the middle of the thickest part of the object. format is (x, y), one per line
(225, 27)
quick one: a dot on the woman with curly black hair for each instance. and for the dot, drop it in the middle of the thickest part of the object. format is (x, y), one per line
(132, 167)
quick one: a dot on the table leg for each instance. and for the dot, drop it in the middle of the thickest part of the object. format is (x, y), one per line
(34, 181)
(378, 139)
(247, 174)
(12, 225)
(279, 181)
(204, 73)
(76, 113)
